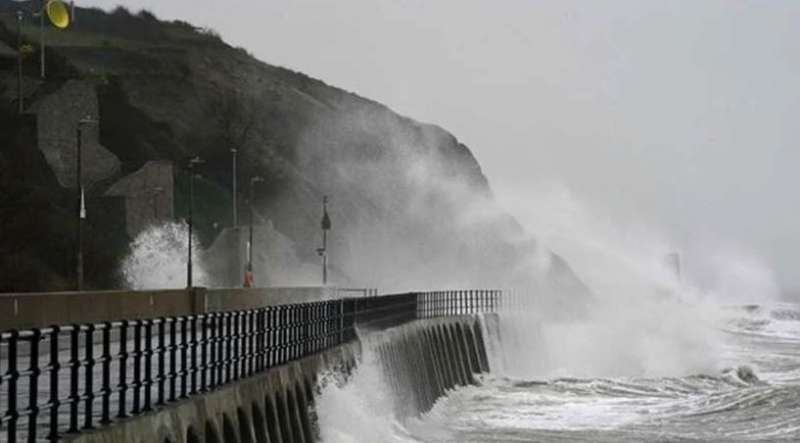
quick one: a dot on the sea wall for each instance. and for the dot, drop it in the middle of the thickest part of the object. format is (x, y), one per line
(422, 359)
(39, 310)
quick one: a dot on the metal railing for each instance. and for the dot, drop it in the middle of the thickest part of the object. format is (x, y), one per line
(66, 379)
(461, 302)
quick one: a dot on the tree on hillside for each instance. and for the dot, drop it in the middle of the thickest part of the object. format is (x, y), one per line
(235, 117)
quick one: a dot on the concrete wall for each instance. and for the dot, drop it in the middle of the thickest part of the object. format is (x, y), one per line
(423, 359)
(149, 195)
(35, 310)
(20, 311)
(58, 115)
(240, 298)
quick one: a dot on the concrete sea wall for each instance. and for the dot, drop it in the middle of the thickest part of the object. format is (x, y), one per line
(421, 360)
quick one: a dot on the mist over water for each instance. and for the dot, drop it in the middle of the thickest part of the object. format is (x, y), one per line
(646, 343)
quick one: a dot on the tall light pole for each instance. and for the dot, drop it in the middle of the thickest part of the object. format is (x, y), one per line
(19, 62)
(323, 251)
(41, 38)
(60, 17)
(81, 204)
(235, 202)
(248, 276)
(192, 163)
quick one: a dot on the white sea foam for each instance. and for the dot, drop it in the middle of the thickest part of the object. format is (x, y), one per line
(362, 409)
(158, 256)
(636, 345)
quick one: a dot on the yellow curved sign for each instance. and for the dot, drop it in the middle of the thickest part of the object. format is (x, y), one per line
(58, 13)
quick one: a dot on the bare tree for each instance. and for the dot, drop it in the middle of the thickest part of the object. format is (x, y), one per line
(235, 117)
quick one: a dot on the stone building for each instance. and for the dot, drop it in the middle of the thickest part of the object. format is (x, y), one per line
(149, 195)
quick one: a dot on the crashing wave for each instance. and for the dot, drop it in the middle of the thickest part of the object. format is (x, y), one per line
(741, 375)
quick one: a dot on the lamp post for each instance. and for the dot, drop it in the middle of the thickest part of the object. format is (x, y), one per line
(53, 11)
(41, 39)
(192, 162)
(19, 61)
(235, 203)
(323, 251)
(81, 204)
(248, 277)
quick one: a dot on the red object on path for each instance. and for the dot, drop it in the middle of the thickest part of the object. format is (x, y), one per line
(248, 279)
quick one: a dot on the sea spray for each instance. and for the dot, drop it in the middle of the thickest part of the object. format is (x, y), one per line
(361, 408)
(641, 318)
(157, 259)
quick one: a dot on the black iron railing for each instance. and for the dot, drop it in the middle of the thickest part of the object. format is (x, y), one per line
(65, 379)
(461, 302)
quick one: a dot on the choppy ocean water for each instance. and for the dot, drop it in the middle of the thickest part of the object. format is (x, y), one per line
(753, 396)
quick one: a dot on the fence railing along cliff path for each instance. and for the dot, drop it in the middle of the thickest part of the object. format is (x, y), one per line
(62, 380)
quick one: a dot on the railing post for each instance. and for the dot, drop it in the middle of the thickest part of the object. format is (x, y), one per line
(248, 344)
(55, 366)
(220, 362)
(105, 414)
(279, 337)
(306, 334)
(341, 325)
(204, 353)
(235, 346)
(173, 359)
(148, 364)
(260, 345)
(193, 356)
(240, 325)
(184, 347)
(89, 378)
(228, 345)
(269, 340)
(319, 325)
(211, 325)
(123, 368)
(162, 355)
(13, 379)
(276, 336)
(284, 311)
(137, 367)
(33, 385)
(294, 332)
(74, 364)
(250, 349)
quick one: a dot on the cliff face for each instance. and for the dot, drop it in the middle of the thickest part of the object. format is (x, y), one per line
(409, 203)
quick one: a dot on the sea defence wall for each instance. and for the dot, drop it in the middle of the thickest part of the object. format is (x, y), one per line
(421, 359)
(39, 310)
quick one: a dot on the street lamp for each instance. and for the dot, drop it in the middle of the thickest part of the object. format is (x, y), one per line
(248, 276)
(323, 251)
(81, 204)
(19, 62)
(58, 14)
(235, 209)
(192, 162)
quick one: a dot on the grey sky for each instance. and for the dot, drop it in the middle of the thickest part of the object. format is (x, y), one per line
(683, 113)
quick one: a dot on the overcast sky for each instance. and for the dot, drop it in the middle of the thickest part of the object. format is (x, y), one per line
(684, 114)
